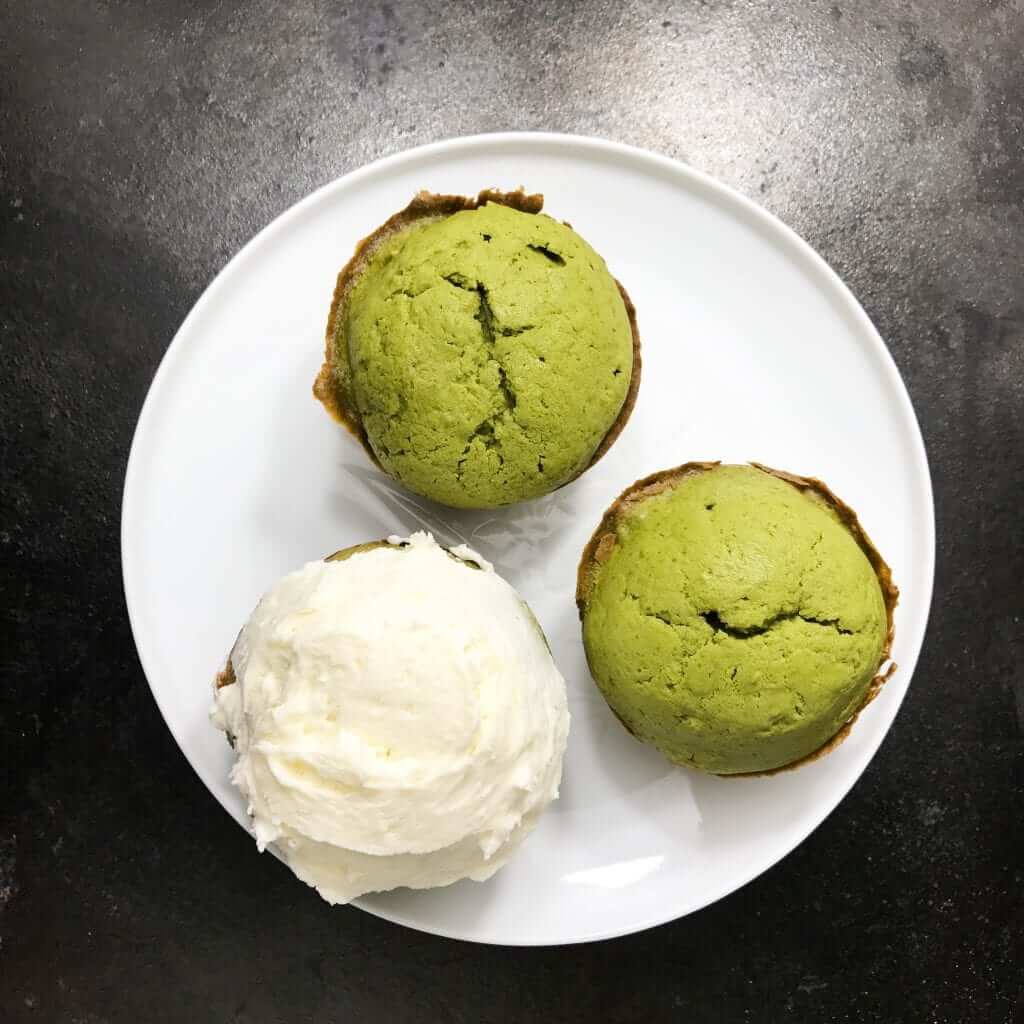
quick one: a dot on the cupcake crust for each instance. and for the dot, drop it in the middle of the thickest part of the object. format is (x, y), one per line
(504, 432)
(731, 709)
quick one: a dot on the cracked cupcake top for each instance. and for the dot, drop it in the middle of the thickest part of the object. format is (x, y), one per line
(483, 353)
(734, 617)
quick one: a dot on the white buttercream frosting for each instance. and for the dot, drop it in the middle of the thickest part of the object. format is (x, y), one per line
(398, 720)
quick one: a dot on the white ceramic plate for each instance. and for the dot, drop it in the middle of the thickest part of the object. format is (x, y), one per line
(752, 348)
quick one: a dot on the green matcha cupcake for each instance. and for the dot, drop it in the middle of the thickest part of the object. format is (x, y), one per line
(480, 350)
(735, 617)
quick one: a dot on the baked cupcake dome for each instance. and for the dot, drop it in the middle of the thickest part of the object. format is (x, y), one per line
(480, 350)
(735, 617)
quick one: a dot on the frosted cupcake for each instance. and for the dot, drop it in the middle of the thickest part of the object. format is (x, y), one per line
(397, 718)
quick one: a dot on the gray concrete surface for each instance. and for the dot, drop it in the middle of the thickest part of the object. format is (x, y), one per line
(141, 143)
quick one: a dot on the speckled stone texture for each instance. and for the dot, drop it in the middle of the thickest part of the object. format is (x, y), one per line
(142, 143)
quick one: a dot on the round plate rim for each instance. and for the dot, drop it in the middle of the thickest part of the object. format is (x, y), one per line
(666, 165)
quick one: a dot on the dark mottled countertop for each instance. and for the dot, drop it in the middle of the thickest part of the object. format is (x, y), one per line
(141, 143)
